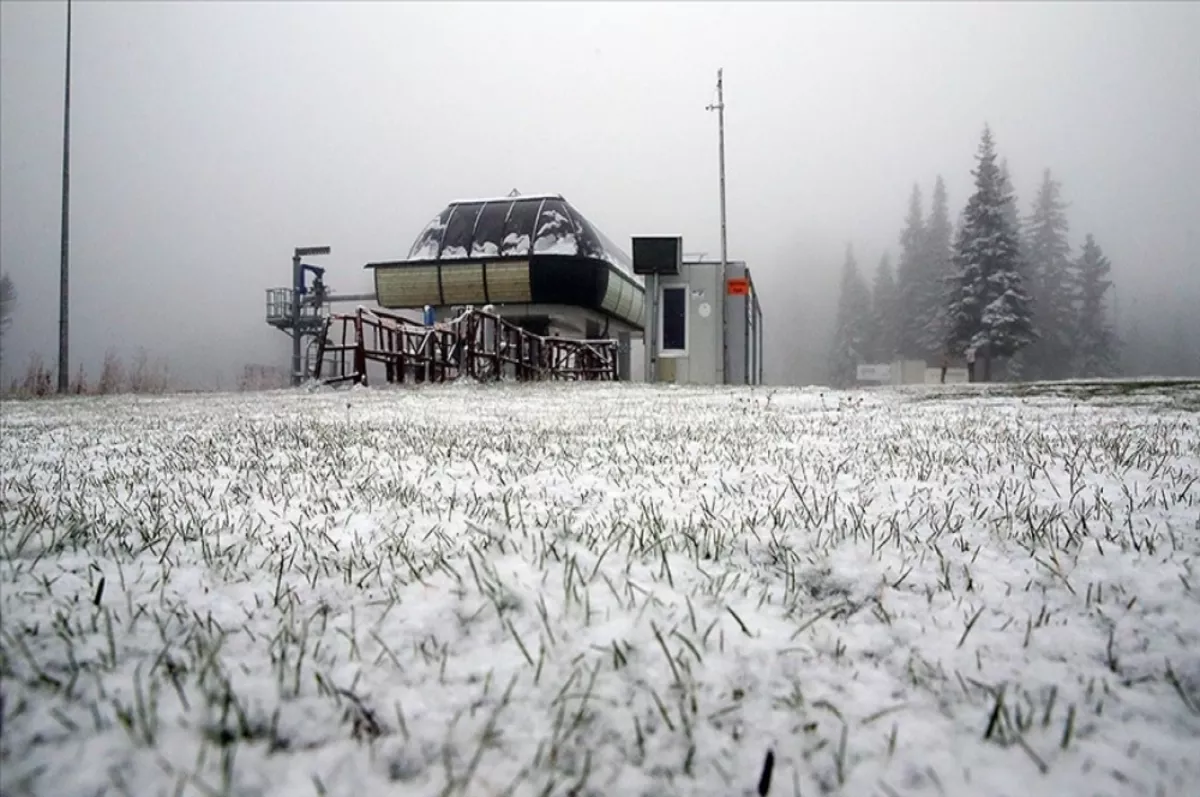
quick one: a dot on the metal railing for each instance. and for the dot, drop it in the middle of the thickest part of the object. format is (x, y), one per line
(279, 308)
(475, 344)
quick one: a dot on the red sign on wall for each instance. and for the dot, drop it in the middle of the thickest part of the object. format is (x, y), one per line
(737, 286)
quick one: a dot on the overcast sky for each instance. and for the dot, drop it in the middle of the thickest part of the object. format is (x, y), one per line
(210, 138)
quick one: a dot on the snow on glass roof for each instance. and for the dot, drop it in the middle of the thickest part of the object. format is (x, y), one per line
(514, 226)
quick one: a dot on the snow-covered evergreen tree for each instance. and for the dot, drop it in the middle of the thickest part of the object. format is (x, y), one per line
(1010, 210)
(1052, 284)
(885, 321)
(1095, 342)
(910, 273)
(989, 310)
(1016, 366)
(937, 253)
(850, 336)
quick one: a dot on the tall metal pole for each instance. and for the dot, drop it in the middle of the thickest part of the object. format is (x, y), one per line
(721, 156)
(64, 280)
(719, 107)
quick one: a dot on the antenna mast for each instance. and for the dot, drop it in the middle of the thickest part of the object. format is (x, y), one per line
(719, 107)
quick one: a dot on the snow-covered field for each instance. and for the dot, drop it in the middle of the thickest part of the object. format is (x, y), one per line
(602, 590)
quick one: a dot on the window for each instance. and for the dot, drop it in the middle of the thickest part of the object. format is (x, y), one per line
(673, 334)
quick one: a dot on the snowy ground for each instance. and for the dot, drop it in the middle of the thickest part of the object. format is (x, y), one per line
(602, 590)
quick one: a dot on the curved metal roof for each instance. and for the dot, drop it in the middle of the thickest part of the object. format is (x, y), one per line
(516, 226)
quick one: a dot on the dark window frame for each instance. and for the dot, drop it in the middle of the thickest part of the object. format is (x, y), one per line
(667, 326)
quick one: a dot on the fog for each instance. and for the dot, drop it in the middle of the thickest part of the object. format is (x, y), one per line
(209, 139)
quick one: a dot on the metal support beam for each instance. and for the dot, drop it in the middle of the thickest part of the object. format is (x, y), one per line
(746, 377)
(296, 318)
(758, 330)
(297, 280)
(624, 340)
(650, 335)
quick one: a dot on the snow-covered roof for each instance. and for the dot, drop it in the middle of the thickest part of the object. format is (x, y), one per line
(505, 198)
(514, 226)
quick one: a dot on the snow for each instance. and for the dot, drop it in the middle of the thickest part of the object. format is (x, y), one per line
(634, 590)
(426, 251)
(553, 224)
(506, 199)
(556, 245)
(428, 241)
(514, 244)
(484, 249)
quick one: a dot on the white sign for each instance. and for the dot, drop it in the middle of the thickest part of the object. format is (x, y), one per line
(704, 309)
(875, 373)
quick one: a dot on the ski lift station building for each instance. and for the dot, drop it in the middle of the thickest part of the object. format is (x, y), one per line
(541, 265)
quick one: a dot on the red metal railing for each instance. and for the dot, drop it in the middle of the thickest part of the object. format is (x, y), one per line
(476, 344)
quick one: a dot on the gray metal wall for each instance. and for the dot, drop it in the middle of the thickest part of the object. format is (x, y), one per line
(743, 332)
(698, 366)
(724, 335)
(737, 332)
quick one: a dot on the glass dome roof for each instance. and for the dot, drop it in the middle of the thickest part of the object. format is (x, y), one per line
(514, 226)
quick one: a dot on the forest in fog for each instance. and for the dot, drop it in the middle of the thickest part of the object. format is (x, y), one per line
(1030, 297)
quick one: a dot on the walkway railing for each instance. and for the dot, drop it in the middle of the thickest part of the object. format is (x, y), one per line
(476, 344)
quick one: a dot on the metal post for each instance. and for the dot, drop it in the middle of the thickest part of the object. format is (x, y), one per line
(761, 338)
(297, 279)
(296, 319)
(650, 335)
(623, 356)
(719, 107)
(747, 330)
(64, 264)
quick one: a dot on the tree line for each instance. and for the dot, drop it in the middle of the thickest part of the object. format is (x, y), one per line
(1007, 289)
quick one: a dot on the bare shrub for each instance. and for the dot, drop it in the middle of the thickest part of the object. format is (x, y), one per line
(80, 385)
(262, 377)
(38, 379)
(112, 374)
(149, 377)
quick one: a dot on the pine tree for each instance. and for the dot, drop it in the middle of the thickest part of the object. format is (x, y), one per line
(989, 310)
(937, 253)
(1016, 367)
(1010, 210)
(853, 325)
(885, 320)
(1096, 343)
(1052, 284)
(909, 278)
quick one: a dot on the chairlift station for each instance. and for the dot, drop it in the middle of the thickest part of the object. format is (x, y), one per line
(526, 287)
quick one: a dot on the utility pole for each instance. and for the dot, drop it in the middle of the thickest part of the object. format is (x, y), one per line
(64, 273)
(719, 107)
